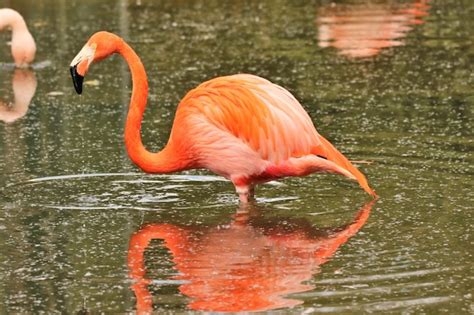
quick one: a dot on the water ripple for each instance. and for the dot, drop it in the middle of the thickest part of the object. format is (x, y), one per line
(380, 277)
(382, 306)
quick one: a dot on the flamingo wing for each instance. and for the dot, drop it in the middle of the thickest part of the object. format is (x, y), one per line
(261, 114)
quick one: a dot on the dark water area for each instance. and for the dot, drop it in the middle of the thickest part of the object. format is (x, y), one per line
(389, 83)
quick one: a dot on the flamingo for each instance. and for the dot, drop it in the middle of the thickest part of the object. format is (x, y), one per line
(23, 45)
(241, 127)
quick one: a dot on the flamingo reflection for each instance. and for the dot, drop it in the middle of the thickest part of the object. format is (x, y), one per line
(249, 265)
(24, 88)
(363, 30)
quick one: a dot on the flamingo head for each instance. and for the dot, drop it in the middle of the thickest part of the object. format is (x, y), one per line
(23, 48)
(99, 46)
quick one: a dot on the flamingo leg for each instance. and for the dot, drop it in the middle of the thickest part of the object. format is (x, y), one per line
(244, 197)
(252, 192)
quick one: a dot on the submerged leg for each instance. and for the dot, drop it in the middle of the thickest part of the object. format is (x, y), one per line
(244, 187)
(245, 192)
(252, 192)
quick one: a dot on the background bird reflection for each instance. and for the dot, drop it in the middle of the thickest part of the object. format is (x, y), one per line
(24, 88)
(251, 264)
(363, 30)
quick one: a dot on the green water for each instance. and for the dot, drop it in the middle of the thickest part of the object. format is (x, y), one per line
(71, 202)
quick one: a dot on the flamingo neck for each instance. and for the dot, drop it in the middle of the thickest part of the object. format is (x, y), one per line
(165, 161)
(13, 19)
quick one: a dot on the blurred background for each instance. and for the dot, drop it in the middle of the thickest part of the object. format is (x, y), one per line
(390, 83)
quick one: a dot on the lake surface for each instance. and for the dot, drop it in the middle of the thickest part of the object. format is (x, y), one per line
(390, 83)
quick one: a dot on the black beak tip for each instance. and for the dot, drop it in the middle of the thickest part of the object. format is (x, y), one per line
(77, 79)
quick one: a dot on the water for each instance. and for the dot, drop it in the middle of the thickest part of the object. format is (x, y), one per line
(82, 230)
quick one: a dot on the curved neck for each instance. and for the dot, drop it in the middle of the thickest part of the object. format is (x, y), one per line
(165, 161)
(13, 19)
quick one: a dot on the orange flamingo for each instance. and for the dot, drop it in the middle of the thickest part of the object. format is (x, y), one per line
(23, 45)
(24, 88)
(242, 127)
(251, 264)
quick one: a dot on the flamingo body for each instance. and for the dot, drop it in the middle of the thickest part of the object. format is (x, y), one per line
(242, 127)
(23, 47)
(250, 130)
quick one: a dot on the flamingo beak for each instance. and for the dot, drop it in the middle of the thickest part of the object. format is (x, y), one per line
(77, 79)
(80, 64)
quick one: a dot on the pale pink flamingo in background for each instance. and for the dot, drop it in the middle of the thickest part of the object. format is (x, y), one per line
(363, 30)
(24, 88)
(251, 264)
(23, 45)
(242, 127)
